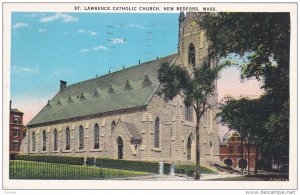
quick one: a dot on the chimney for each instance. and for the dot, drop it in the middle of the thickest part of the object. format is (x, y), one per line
(10, 104)
(139, 61)
(63, 84)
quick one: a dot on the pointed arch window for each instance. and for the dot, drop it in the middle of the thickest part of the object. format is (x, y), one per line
(33, 141)
(192, 55)
(55, 139)
(113, 126)
(189, 147)
(156, 133)
(67, 138)
(44, 140)
(188, 114)
(81, 138)
(96, 136)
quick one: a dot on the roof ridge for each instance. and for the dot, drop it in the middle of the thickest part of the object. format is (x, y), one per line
(129, 68)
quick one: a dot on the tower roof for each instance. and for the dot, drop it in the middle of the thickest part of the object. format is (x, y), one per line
(181, 16)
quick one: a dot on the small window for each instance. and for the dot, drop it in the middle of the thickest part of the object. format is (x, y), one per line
(67, 139)
(113, 126)
(33, 141)
(156, 133)
(81, 138)
(188, 113)
(55, 139)
(16, 120)
(16, 132)
(15, 145)
(191, 55)
(44, 140)
(96, 136)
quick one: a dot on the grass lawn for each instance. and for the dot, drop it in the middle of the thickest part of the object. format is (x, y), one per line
(189, 169)
(39, 170)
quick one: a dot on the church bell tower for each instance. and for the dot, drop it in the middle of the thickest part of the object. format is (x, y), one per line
(192, 43)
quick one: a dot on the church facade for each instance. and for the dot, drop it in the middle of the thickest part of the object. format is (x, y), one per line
(121, 115)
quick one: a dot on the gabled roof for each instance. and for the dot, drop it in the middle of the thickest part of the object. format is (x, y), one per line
(135, 135)
(111, 94)
(227, 136)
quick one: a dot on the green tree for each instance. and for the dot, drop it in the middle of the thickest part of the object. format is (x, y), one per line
(196, 89)
(262, 41)
(247, 116)
(234, 114)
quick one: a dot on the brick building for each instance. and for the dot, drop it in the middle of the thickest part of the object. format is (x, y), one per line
(16, 132)
(120, 115)
(230, 148)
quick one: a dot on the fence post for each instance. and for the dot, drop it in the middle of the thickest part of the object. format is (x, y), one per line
(84, 161)
(161, 167)
(172, 167)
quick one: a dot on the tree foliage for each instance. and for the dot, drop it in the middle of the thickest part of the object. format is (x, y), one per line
(263, 39)
(196, 88)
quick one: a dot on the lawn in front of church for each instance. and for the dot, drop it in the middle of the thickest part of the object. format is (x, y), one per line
(40, 170)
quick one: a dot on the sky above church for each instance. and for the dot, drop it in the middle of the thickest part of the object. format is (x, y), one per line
(48, 47)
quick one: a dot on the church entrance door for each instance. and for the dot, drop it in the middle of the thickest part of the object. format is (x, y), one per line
(120, 147)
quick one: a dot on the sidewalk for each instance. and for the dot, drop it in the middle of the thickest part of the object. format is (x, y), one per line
(203, 177)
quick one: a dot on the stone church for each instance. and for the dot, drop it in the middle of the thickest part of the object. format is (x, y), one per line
(120, 115)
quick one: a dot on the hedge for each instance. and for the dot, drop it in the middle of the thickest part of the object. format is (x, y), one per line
(131, 165)
(142, 166)
(52, 159)
(90, 161)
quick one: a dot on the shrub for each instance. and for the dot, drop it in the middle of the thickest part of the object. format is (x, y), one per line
(142, 166)
(264, 164)
(228, 162)
(243, 163)
(190, 169)
(89, 161)
(52, 159)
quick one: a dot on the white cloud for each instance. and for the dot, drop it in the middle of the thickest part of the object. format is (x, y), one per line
(59, 16)
(136, 26)
(87, 31)
(19, 69)
(42, 30)
(118, 41)
(100, 47)
(20, 25)
(34, 15)
(97, 48)
(84, 50)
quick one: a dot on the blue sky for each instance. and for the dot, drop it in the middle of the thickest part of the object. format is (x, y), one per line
(48, 47)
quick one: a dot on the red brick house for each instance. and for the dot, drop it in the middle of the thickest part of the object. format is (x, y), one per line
(16, 132)
(230, 148)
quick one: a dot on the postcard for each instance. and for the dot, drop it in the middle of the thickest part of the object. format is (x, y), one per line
(134, 95)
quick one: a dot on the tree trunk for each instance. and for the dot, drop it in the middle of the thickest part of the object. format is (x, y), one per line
(256, 159)
(248, 159)
(197, 170)
(242, 148)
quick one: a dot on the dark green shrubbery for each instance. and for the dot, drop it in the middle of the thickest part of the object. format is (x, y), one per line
(90, 161)
(264, 164)
(190, 169)
(228, 162)
(152, 167)
(52, 159)
(131, 165)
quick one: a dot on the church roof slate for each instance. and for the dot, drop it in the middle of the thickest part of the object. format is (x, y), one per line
(105, 102)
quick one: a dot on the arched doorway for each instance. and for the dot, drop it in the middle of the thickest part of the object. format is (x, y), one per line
(189, 148)
(120, 147)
